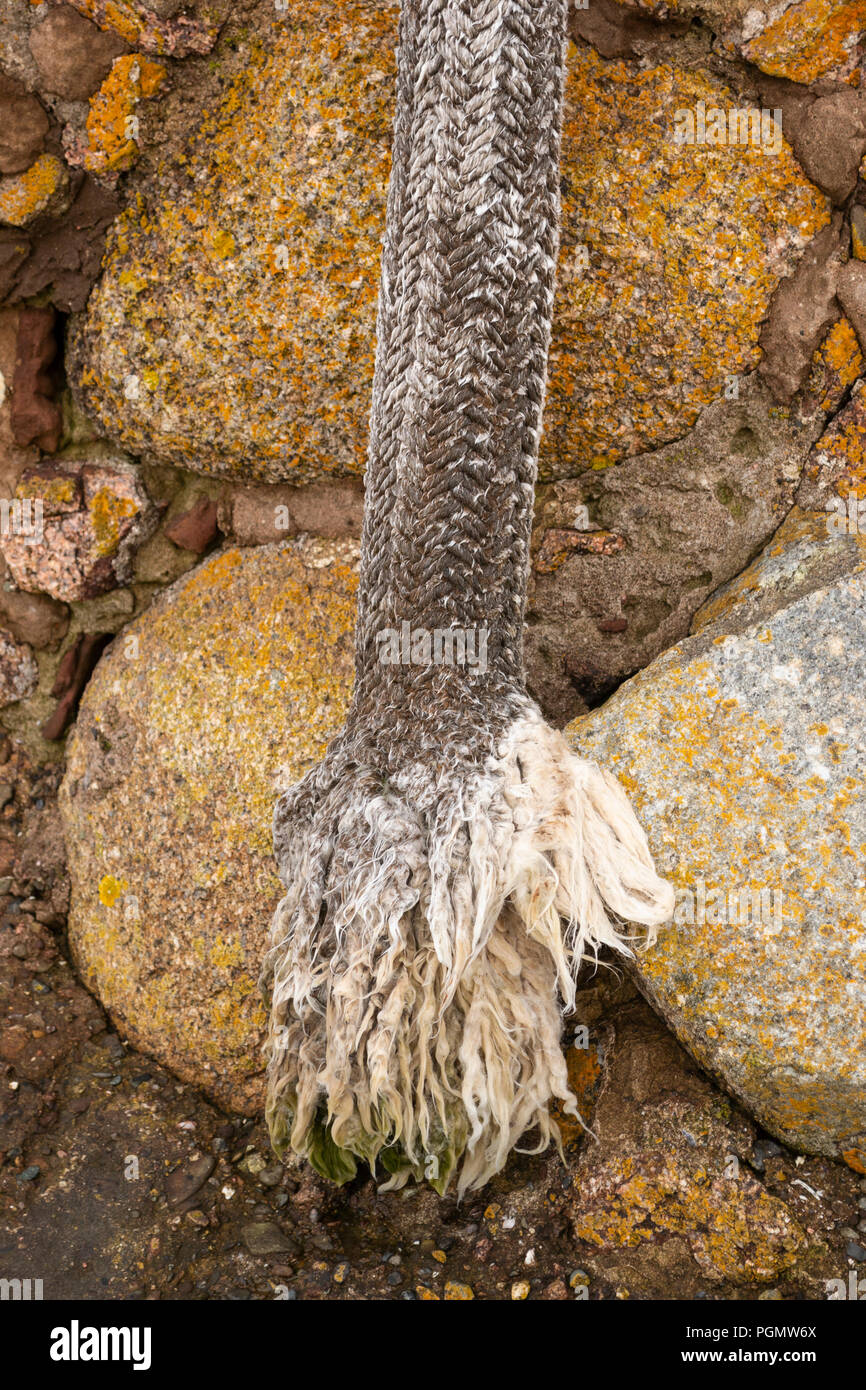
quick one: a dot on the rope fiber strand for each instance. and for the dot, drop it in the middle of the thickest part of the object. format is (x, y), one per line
(450, 863)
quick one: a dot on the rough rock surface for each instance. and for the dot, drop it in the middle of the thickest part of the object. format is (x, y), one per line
(23, 126)
(17, 669)
(42, 188)
(743, 748)
(803, 41)
(232, 332)
(94, 515)
(230, 685)
(836, 467)
(63, 258)
(157, 28)
(661, 532)
(35, 415)
(73, 56)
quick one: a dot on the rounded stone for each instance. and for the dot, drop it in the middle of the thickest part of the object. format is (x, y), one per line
(226, 690)
(743, 749)
(233, 329)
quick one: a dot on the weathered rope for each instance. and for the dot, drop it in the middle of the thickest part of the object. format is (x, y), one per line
(450, 863)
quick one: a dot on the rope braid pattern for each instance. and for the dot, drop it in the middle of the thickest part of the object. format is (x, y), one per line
(450, 863)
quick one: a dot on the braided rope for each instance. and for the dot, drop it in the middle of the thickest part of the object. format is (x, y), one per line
(450, 863)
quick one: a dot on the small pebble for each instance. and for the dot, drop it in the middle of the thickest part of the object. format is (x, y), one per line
(461, 1293)
(770, 1296)
(196, 1218)
(556, 1290)
(440, 1256)
(30, 1174)
(855, 1251)
(272, 1175)
(266, 1238)
(578, 1278)
(761, 1151)
(394, 1278)
(340, 1273)
(520, 1290)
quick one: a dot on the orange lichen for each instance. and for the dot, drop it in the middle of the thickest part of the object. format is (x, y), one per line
(142, 28)
(111, 121)
(25, 196)
(721, 769)
(817, 38)
(585, 1077)
(110, 889)
(56, 494)
(836, 365)
(841, 450)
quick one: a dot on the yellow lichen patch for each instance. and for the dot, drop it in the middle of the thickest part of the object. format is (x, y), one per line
(112, 124)
(837, 364)
(249, 298)
(585, 1076)
(108, 510)
(232, 689)
(141, 27)
(56, 493)
(841, 450)
(736, 1230)
(24, 196)
(806, 529)
(816, 38)
(110, 889)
